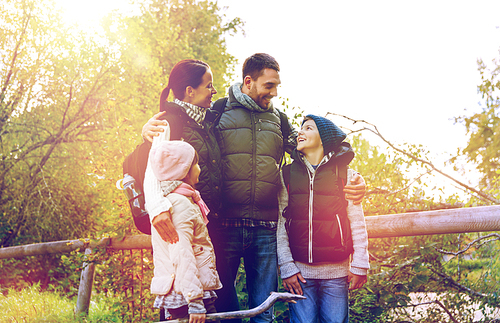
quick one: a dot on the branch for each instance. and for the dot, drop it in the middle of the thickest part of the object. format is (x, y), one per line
(425, 162)
(436, 301)
(388, 193)
(470, 244)
(458, 286)
(4, 115)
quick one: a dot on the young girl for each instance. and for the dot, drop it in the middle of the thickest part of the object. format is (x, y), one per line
(185, 278)
(318, 230)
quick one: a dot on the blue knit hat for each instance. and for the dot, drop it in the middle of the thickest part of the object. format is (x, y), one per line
(331, 135)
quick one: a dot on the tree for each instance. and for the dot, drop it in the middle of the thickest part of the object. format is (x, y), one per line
(484, 128)
(72, 106)
(52, 94)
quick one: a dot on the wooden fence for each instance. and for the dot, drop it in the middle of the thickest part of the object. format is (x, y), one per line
(474, 219)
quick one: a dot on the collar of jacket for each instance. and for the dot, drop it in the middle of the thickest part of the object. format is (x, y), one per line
(193, 111)
(168, 186)
(179, 110)
(343, 155)
(235, 95)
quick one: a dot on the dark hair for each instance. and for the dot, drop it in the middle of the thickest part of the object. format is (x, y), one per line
(196, 158)
(188, 72)
(254, 65)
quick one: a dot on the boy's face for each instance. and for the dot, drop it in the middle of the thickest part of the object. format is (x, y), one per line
(192, 176)
(309, 138)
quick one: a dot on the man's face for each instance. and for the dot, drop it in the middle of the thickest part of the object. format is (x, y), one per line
(264, 88)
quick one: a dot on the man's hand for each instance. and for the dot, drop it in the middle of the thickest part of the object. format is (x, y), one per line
(292, 284)
(356, 190)
(197, 318)
(356, 281)
(166, 230)
(151, 129)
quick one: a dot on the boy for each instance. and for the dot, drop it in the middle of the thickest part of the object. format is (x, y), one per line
(319, 230)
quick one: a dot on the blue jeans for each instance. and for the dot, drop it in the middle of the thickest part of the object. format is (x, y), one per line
(257, 246)
(327, 301)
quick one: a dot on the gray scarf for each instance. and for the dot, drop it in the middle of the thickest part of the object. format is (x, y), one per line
(247, 101)
(168, 186)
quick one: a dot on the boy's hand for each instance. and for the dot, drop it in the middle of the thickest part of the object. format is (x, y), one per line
(356, 190)
(292, 284)
(163, 224)
(151, 129)
(197, 318)
(356, 281)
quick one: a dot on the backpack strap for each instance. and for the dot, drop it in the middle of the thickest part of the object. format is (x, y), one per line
(219, 105)
(218, 108)
(286, 175)
(285, 132)
(285, 127)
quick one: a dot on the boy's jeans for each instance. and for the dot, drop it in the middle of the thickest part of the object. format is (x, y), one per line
(327, 301)
(257, 246)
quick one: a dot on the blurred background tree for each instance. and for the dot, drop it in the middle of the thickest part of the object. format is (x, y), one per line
(72, 106)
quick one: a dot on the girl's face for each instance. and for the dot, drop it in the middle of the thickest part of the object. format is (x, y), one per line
(192, 176)
(202, 95)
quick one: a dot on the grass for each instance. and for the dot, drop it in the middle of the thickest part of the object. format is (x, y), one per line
(32, 305)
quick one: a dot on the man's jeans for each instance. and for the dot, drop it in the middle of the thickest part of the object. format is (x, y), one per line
(257, 246)
(327, 301)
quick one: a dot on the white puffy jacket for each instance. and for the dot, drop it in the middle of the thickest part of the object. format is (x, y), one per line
(187, 266)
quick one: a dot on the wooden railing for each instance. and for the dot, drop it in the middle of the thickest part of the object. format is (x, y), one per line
(475, 219)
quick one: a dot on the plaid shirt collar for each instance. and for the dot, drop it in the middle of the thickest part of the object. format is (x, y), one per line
(193, 111)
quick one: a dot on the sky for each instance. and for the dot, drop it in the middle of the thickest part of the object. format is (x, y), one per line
(408, 67)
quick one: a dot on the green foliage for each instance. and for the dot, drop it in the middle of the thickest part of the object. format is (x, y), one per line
(33, 305)
(71, 108)
(484, 129)
(52, 94)
(126, 276)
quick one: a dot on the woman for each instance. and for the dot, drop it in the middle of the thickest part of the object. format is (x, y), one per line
(187, 118)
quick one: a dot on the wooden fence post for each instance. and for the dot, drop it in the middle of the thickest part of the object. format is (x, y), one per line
(85, 288)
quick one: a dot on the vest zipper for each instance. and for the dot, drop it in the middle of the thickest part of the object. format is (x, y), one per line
(341, 232)
(311, 204)
(254, 162)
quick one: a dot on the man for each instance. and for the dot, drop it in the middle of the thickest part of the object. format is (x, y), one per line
(252, 142)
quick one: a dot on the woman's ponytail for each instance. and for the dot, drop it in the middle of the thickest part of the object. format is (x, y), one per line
(164, 98)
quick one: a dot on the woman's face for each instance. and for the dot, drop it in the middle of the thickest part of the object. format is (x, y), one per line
(202, 95)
